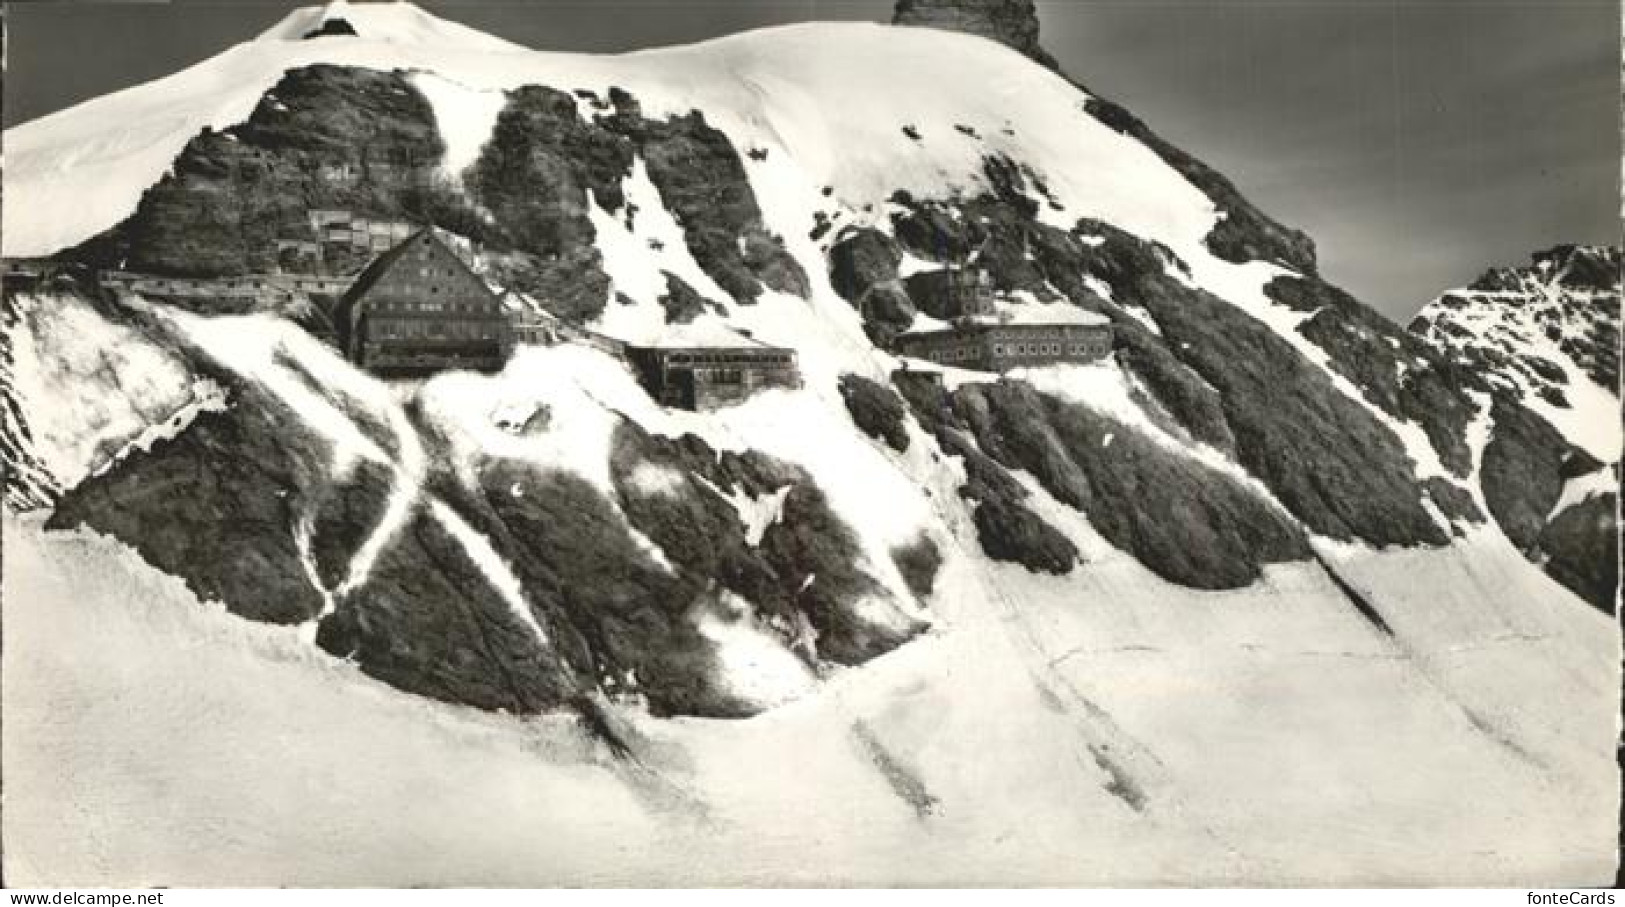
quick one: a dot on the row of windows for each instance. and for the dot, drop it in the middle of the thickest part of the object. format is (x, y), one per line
(972, 353)
(1048, 349)
(397, 305)
(450, 330)
(955, 354)
(721, 358)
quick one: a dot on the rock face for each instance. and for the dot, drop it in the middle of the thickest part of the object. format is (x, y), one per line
(1189, 524)
(324, 137)
(876, 410)
(702, 182)
(1010, 22)
(535, 176)
(1243, 234)
(491, 580)
(1581, 545)
(29, 485)
(365, 142)
(1566, 300)
(1543, 341)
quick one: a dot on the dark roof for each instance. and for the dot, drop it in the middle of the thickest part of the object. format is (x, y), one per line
(383, 263)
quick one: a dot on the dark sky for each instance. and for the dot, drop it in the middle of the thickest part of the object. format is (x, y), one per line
(1418, 141)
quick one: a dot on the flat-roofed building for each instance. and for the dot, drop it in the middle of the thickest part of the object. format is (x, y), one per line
(703, 370)
(993, 346)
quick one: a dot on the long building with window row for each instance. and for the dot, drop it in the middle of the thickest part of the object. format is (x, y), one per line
(997, 347)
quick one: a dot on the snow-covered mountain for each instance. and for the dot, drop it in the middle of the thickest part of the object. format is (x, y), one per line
(1548, 336)
(1245, 601)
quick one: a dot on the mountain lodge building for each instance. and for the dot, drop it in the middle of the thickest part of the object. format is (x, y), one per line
(418, 308)
(703, 372)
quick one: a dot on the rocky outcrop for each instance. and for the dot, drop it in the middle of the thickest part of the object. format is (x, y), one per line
(876, 410)
(323, 137)
(366, 142)
(702, 181)
(1006, 528)
(534, 176)
(1218, 375)
(333, 27)
(1013, 23)
(1522, 472)
(1243, 232)
(683, 303)
(29, 484)
(1394, 369)
(217, 506)
(429, 621)
(1568, 296)
(860, 259)
(1581, 546)
(1293, 428)
(805, 570)
(1535, 337)
(1189, 523)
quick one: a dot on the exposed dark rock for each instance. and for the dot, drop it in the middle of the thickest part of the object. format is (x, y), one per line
(1393, 368)
(1189, 523)
(428, 621)
(807, 568)
(1522, 472)
(1573, 294)
(682, 302)
(1006, 527)
(934, 231)
(581, 567)
(1244, 233)
(1331, 463)
(1013, 23)
(1011, 532)
(1194, 404)
(230, 195)
(1454, 501)
(334, 27)
(703, 182)
(919, 562)
(217, 506)
(887, 310)
(1582, 549)
(534, 176)
(861, 258)
(342, 516)
(876, 410)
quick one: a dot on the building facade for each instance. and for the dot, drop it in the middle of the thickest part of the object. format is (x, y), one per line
(248, 287)
(706, 377)
(952, 292)
(993, 347)
(418, 308)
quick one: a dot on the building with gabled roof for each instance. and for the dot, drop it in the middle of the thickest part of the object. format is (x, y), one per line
(419, 308)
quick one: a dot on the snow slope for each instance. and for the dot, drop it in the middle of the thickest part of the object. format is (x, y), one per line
(789, 89)
(1115, 731)
(1540, 313)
